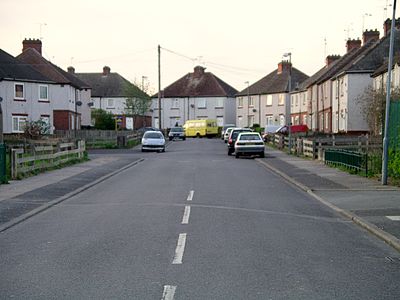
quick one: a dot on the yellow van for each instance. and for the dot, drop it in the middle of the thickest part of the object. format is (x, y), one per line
(200, 128)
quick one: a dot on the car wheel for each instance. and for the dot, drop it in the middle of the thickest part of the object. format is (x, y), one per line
(170, 138)
(236, 155)
(262, 154)
(229, 152)
(163, 150)
(143, 150)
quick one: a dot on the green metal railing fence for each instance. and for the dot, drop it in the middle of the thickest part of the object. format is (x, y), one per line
(394, 125)
(357, 161)
(3, 174)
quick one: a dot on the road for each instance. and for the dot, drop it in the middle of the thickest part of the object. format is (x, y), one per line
(194, 223)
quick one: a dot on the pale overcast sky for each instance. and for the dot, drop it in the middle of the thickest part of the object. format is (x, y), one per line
(236, 40)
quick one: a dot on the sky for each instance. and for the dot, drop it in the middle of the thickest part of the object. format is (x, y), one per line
(238, 41)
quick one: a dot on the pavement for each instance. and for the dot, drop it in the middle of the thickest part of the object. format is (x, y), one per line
(366, 202)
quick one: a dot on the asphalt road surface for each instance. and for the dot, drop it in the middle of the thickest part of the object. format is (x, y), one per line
(194, 223)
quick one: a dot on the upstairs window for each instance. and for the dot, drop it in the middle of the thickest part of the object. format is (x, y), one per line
(251, 101)
(219, 102)
(175, 103)
(240, 102)
(269, 100)
(201, 103)
(43, 93)
(19, 91)
(110, 103)
(281, 100)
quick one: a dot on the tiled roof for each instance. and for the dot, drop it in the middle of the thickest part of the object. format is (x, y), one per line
(51, 71)
(110, 85)
(12, 68)
(374, 56)
(198, 84)
(384, 67)
(275, 83)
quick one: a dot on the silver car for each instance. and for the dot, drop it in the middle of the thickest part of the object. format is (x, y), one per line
(153, 141)
(249, 143)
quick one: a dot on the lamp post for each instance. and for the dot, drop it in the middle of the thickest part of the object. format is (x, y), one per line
(77, 103)
(385, 153)
(248, 103)
(1, 122)
(289, 108)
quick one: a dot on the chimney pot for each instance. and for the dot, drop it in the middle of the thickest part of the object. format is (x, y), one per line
(370, 35)
(283, 66)
(353, 44)
(32, 43)
(199, 71)
(330, 59)
(71, 70)
(388, 24)
(106, 70)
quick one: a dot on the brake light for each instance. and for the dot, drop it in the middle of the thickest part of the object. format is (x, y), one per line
(230, 141)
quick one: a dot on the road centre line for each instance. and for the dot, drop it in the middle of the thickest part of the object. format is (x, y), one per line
(190, 196)
(393, 218)
(180, 248)
(186, 215)
(169, 292)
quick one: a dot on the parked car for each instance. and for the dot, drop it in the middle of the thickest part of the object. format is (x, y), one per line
(224, 128)
(145, 129)
(269, 132)
(176, 133)
(249, 143)
(226, 134)
(233, 136)
(294, 129)
(153, 141)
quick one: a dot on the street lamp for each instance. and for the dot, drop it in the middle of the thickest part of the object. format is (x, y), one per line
(248, 103)
(77, 103)
(289, 108)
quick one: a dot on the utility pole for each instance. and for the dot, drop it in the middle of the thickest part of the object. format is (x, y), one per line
(159, 87)
(289, 109)
(248, 104)
(385, 153)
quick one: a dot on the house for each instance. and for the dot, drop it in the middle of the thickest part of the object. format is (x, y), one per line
(109, 92)
(265, 102)
(69, 98)
(25, 94)
(352, 81)
(379, 77)
(197, 95)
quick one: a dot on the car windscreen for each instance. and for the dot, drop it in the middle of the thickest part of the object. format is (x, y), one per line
(249, 137)
(235, 133)
(152, 135)
(177, 129)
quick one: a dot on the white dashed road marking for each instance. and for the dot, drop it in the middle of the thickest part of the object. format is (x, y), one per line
(180, 248)
(186, 215)
(169, 292)
(393, 218)
(190, 196)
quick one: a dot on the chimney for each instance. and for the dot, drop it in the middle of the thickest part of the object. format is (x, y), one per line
(353, 44)
(330, 59)
(370, 35)
(387, 26)
(198, 71)
(106, 71)
(283, 66)
(71, 70)
(32, 43)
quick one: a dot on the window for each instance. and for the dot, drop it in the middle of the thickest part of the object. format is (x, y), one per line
(281, 99)
(281, 120)
(46, 119)
(201, 103)
(18, 123)
(269, 100)
(327, 120)
(240, 102)
(240, 121)
(296, 101)
(220, 121)
(296, 120)
(110, 103)
(305, 120)
(251, 101)
(43, 93)
(269, 120)
(175, 103)
(219, 102)
(251, 121)
(19, 91)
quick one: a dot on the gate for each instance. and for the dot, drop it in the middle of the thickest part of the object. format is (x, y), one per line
(3, 176)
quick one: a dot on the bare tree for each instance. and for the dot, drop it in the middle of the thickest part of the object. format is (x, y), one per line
(372, 106)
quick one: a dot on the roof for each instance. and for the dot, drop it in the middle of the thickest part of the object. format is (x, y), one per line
(373, 57)
(49, 70)
(12, 68)
(199, 84)
(384, 67)
(110, 85)
(275, 83)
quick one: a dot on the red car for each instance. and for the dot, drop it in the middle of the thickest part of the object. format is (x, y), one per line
(293, 129)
